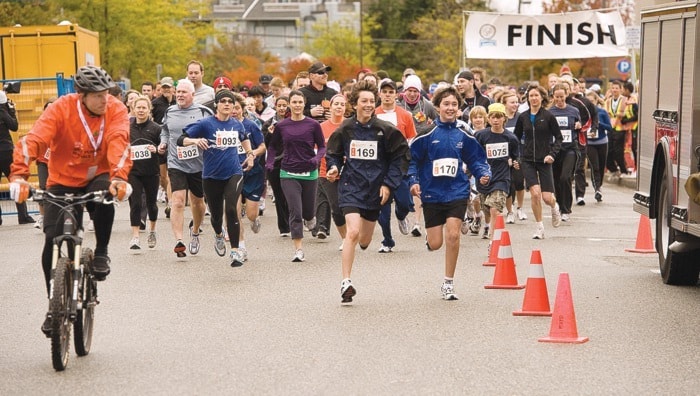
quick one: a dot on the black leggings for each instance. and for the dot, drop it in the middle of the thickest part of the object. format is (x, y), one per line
(140, 184)
(597, 158)
(53, 224)
(217, 192)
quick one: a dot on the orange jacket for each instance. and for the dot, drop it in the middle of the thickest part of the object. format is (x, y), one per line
(74, 161)
(404, 121)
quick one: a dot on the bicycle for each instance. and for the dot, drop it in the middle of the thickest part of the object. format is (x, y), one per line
(73, 286)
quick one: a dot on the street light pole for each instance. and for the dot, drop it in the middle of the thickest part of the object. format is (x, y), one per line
(362, 60)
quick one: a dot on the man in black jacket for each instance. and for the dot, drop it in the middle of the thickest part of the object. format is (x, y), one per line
(318, 94)
(471, 96)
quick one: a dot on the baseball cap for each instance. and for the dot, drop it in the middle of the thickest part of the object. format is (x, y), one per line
(265, 79)
(222, 81)
(167, 82)
(467, 75)
(497, 108)
(318, 67)
(387, 82)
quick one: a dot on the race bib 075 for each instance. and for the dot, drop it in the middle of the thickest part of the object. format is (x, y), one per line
(497, 150)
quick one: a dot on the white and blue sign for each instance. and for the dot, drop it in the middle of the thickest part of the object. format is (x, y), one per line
(624, 66)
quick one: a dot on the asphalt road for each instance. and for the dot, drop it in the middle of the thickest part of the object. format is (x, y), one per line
(198, 326)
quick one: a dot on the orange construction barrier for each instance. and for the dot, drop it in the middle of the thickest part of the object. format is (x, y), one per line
(495, 242)
(563, 328)
(505, 276)
(644, 242)
(536, 301)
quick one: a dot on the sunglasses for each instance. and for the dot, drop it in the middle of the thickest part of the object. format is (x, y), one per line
(226, 101)
(320, 73)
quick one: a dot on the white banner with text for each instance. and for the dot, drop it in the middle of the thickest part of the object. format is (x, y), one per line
(587, 34)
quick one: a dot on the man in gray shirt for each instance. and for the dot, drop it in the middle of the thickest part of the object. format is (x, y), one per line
(184, 164)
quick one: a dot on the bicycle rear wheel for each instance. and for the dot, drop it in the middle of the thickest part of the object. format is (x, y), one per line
(60, 318)
(83, 325)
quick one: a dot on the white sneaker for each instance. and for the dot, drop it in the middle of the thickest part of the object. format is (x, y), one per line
(298, 256)
(521, 214)
(556, 216)
(243, 252)
(347, 291)
(152, 240)
(235, 259)
(39, 224)
(486, 233)
(134, 244)
(448, 292)
(310, 224)
(416, 232)
(464, 229)
(565, 217)
(510, 218)
(255, 225)
(385, 249)
(404, 226)
(539, 233)
(220, 245)
(261, 206)
(340, 248)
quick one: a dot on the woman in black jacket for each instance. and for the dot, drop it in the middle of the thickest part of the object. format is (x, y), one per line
(8, 122)
(539, 133)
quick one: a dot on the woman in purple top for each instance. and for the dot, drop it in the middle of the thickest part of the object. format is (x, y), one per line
(301, 141)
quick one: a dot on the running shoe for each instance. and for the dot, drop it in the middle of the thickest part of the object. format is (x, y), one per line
(244, 253)
(510, 218)
(485, 235)
(100, 267)
(580, 201)
(565, 217)
(340, 248)
(167, 212)
(298, 256)
(385, 249)
(465, 227)
(39, 224)
(310, 224)
(255, 225)
(236, 259)
(521, 214)
(347, 291)
(194, 244)
(448, 292)
(135, 244)
(321, 234)
(220, 245)
(475, 226)
(285, 234)
(404, 226)
(416, 232)
(180, 249)
(556, 216)
(599, 196)
(539, 233)
(152, 239)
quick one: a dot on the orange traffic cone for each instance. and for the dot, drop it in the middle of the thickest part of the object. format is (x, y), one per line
(505, 276)
(536, 301)
(644, 242)
(563, 328)
(495, 242)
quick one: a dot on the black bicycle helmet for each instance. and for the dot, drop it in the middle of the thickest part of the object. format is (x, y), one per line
(92, 79)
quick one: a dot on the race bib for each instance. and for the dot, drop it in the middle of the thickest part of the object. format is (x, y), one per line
(497, 150)
(140, 152)
(363, 150)
(47, 154)
(299, 174)
(563, 122)
(445, 167)
(566, 135)
(226, 139)
(186, 153)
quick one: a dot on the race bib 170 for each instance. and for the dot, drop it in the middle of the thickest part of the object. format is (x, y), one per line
(445, 167)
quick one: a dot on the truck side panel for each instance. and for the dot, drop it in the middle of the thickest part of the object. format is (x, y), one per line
(649, 82)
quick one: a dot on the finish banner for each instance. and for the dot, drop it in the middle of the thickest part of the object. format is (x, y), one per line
(586, 34)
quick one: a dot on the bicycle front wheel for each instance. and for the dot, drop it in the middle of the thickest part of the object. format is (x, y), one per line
(85, 316)
(60, 317)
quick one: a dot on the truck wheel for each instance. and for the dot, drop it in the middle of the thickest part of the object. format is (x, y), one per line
(676, 268)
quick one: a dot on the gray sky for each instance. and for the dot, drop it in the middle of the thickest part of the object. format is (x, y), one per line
(511, 6)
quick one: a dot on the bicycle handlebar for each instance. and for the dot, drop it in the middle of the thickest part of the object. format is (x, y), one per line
(101, 196)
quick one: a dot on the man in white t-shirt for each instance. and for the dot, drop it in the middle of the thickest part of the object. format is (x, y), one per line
(202, 92)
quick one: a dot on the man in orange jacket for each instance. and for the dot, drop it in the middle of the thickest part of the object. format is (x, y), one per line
(88, 135)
